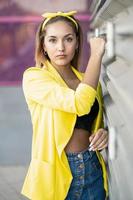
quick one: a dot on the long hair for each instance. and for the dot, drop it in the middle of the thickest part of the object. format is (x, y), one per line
(40, 56)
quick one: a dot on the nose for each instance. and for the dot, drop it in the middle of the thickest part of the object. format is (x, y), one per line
(61, 46)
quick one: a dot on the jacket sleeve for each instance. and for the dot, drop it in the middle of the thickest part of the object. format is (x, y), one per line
(39, 86)
(102, 104)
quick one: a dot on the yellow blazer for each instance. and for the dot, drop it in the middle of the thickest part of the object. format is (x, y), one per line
(54, 108)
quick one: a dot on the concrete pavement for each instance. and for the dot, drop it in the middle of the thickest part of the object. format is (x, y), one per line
(11, 180)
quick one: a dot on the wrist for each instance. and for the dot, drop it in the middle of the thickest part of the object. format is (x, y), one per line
(96, 56)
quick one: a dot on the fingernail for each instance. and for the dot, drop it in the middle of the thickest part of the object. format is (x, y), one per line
(90, 145)
(91, 149)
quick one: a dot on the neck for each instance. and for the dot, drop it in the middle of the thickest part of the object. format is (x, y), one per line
(63, 70)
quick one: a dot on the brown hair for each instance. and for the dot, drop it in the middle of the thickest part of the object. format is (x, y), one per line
(40, 56)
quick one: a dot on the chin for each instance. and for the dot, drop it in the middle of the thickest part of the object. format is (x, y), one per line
(62, 63)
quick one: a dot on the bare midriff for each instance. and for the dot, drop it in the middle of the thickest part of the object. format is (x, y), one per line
(79, 141)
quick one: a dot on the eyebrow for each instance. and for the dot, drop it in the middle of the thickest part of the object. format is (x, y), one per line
(69, 34)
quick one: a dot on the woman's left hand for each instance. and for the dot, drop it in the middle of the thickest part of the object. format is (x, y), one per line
(99, 140)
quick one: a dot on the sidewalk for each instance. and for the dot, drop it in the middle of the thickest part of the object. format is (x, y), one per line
(11, 181)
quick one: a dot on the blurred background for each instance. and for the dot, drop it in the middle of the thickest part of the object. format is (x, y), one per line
(18, 24)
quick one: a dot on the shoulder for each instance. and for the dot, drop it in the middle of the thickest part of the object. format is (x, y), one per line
(35, 72)
(34, 69)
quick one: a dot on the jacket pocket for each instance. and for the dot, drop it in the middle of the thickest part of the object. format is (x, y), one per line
(41, 180)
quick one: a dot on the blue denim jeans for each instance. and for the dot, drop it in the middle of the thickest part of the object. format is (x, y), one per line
(87, 183)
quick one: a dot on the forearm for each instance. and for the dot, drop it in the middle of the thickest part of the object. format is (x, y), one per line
(92, 73)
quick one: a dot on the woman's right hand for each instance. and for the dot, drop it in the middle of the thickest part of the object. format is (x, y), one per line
(97, 46)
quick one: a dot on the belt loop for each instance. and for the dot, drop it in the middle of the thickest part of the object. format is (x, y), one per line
(90, 153)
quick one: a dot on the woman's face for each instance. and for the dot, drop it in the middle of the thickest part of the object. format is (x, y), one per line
(60, 43)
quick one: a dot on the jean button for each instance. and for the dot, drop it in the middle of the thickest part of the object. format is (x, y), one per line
(81, 166)
(77, 194)
(80, 155)
(81, 177)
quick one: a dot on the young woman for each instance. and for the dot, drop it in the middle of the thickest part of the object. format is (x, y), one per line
(66, 113)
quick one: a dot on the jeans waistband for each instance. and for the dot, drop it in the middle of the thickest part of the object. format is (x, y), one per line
(81, 154)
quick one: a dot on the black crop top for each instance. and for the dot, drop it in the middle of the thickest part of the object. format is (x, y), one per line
(85, 121)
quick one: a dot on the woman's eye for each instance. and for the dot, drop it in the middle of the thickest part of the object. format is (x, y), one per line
(69, 39)
(52, 40)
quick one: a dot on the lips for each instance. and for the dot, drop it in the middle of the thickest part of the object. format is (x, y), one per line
(61, 55)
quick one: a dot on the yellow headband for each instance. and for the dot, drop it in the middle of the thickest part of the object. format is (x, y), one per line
(68, 15)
